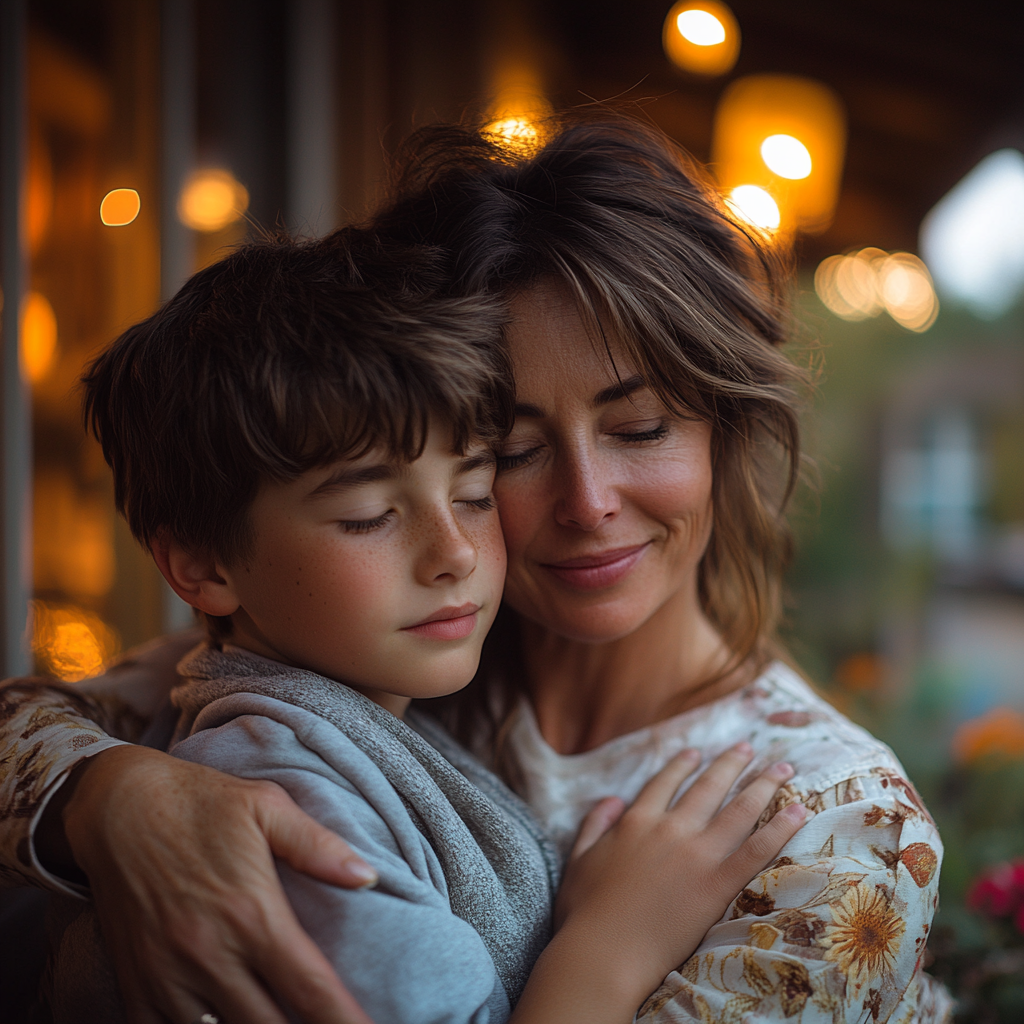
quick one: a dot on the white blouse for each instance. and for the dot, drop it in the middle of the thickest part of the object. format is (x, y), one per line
(834, 931)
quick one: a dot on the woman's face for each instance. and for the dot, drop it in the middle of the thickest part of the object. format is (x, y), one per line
(604, 495)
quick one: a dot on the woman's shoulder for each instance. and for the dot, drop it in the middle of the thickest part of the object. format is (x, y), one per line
(784, 715)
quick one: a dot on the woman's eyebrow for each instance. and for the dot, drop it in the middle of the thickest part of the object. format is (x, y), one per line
(353, 476)
(619, 390)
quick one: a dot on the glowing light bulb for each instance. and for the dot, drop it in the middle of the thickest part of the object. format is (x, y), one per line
(519, 134)
(211, 200)
(120, 206)
(755, 206)
(701, 28)
(786, 156)
(38, 337)
(701, 37)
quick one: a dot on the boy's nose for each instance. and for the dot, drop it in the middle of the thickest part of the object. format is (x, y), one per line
(448, 552)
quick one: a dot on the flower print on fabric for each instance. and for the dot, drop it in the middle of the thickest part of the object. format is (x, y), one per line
(834, 931)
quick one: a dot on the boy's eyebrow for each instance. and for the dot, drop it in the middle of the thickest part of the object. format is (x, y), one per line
(613, 393)
(481, 460)
(353, 476)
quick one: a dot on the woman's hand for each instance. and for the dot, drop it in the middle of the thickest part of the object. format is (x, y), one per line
(644, 884)
(180, 859)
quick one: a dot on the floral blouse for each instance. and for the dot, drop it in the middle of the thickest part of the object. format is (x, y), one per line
(835, 930)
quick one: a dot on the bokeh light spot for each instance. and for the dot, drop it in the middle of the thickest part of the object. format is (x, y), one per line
(211, 200)
(701, 28)
(786, 156)
(120, 206)
(38, 337)
(755, 206)
(519, 134)
(70, 643)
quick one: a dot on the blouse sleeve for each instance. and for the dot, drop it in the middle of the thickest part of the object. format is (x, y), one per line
(47, 729)
(835, 930)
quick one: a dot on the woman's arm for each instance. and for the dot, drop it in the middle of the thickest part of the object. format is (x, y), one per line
(150, 833)
(834, 931)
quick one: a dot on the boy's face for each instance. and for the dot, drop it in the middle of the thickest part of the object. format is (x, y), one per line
(383, 574)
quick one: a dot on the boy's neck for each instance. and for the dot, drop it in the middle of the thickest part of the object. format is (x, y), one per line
(245, 635)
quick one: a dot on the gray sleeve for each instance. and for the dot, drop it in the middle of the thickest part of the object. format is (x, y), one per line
(398, 947)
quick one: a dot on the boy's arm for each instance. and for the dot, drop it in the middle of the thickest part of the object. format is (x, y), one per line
(835, 930)
(398, 947)
(639, 896)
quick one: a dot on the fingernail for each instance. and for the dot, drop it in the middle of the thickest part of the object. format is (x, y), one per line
(362, 873)
(689, 754)
(744, 748)
(796, 811)
(783, 769)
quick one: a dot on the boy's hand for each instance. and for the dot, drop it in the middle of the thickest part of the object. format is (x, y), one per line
(655, 877)
(180, 859)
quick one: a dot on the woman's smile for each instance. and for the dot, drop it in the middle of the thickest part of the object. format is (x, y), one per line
(604, 569)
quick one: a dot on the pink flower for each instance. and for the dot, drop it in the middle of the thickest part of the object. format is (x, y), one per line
(999, 892)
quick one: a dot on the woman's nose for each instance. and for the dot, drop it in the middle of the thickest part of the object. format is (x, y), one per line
(585, 499)
(447, 553)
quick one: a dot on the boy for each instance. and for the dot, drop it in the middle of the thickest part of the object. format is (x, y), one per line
(302, 438)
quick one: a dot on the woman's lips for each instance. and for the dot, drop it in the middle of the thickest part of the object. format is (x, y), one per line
(591, 572)
(448, 623)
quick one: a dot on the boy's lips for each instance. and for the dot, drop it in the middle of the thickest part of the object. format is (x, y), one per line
(451, 623)
(591, 572)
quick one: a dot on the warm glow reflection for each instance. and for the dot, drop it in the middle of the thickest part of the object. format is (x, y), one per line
(755, 206)
(786, 156)
(702, 28)
(120, 206)
(701, 37)
(38, 337)
(70, 643)
(862, 284)
(787, 135)
(519, 134)
(211, 200)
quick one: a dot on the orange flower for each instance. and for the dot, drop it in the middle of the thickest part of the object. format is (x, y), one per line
(864, 935)
(997, 733)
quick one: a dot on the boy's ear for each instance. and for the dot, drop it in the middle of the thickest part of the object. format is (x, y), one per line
(194, 577)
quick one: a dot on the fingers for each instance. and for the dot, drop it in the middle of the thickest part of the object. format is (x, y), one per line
(306, 845)
(660, 789)
(741, 814)
(705, 796)
(760, 849)
(602, 816)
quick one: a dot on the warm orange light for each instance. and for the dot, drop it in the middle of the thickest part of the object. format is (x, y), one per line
(519, 134)
(70, 643)
(701, 36)
(38, 337)
(211, 200)
(755, 206)
(787, 135)
(998, 733)
(120, 206)
(862, 284)
(38, 192)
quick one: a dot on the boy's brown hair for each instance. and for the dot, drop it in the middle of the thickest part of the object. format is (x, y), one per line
(281, 357)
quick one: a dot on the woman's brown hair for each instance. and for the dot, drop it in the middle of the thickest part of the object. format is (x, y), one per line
(612, 208)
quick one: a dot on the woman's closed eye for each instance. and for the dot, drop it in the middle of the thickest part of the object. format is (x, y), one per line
(480, 504)
(654, 433)
(513, 460)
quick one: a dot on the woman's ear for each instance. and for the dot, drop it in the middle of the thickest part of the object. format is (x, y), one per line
(194, 577)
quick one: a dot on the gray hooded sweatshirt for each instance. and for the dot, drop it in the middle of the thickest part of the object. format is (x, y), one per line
(467, 876)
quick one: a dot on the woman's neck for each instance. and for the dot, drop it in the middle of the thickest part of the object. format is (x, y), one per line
(586, 694)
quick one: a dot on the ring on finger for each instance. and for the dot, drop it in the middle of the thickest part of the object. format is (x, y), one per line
(207, 1018)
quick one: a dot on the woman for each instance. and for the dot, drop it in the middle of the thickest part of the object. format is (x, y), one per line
(641, 497)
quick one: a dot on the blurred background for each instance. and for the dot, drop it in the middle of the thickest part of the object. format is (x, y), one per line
(880, 141)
